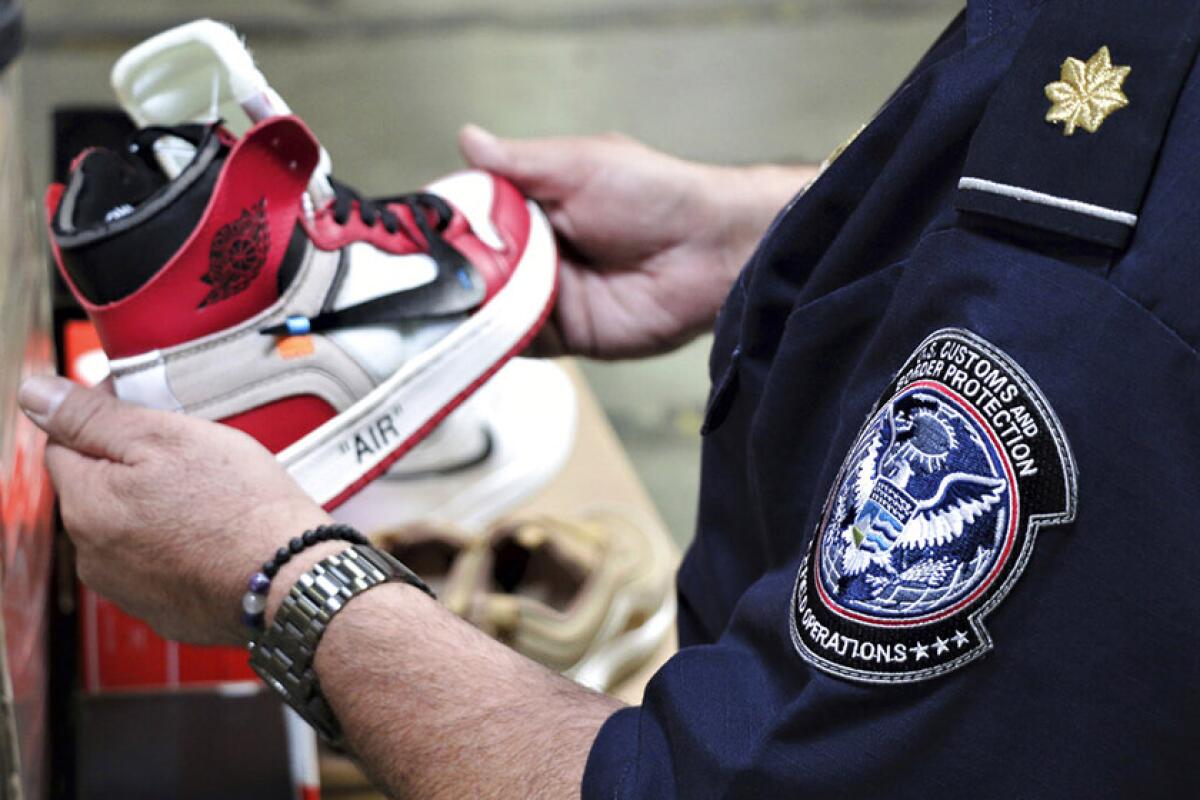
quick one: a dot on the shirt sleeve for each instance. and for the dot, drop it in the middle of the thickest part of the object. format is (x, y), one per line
(1040, 716)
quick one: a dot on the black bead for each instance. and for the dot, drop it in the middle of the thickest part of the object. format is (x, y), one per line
(269, 569)
(282, 556)
(296, 545)
(310, 538)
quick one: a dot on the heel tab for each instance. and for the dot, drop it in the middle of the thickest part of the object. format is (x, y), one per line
(290, 138)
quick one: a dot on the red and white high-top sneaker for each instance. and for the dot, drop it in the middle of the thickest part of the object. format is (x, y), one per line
(337, 337)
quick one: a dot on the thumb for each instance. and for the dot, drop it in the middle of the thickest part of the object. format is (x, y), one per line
(90, 421)
(545, 169)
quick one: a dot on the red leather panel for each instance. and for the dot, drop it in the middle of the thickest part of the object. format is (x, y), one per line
(270, 166)
(277, 425)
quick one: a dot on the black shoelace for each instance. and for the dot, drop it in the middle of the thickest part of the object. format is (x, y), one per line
(457, 288)
(375, 210)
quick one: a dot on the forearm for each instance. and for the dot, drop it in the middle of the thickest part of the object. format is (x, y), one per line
(435, 709)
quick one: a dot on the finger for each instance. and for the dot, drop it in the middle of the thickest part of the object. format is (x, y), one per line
(545, 169)
(68, 468)
(89, 421)
(80, 484)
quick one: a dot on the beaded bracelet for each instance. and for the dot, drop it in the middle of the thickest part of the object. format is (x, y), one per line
(254, 602)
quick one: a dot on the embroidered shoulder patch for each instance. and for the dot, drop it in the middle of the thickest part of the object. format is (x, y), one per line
(933, 516)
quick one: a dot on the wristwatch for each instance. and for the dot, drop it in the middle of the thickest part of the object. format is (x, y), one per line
(283, 654)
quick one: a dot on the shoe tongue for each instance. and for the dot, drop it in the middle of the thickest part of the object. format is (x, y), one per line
(109, 185)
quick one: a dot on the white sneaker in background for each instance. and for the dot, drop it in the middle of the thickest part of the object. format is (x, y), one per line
(497, 450)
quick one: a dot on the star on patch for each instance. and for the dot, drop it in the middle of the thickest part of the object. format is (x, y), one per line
(1087, 93)
(960, 638)
(941, 645)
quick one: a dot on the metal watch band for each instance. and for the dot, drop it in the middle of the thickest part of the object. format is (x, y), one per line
(283, 655)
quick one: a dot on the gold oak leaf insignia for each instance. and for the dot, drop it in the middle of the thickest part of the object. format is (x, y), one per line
(1087, 93)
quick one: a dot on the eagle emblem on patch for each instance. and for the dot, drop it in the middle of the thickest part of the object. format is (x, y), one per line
(932, 517)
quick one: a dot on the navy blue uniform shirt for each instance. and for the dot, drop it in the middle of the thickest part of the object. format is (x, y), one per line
(949, 535)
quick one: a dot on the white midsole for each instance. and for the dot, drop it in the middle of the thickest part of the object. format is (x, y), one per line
(330, 459)
(530, 409)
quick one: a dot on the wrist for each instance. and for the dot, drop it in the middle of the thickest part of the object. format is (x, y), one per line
(753, 196)
(290, 572)
(284, 654)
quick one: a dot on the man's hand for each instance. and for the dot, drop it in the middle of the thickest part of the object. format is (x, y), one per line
(650, 244)
(169, 514)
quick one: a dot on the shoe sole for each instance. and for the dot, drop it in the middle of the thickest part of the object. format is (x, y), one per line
(530, 407)
(349, 451)
(621, 656)
(618, 653)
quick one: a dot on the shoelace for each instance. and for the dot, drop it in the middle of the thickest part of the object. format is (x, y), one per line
(375, 210)
(457, 289)
(345, 198)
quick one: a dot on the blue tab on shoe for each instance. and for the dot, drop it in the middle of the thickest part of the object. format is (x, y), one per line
(298, 326)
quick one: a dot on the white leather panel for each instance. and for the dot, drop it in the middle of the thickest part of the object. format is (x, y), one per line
(147, 386)
(472, 193)
(371, 273)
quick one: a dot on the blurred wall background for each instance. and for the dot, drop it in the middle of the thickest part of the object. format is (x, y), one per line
(386, 83)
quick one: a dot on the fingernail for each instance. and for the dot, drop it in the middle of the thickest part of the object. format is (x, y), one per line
(479, 132)
(41, 395)
(485, 143)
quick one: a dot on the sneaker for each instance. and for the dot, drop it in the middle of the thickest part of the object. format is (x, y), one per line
(593, 598)
(497, 450)
(433, 551)
(338, 335)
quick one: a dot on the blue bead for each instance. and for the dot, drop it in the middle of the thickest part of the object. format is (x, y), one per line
(259, 583)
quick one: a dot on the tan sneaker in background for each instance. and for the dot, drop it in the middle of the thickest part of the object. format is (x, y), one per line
(432, 550)
(592, 598)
